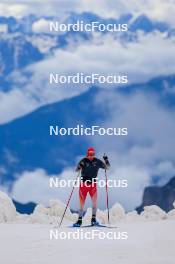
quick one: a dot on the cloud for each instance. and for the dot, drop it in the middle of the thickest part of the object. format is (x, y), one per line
(165, 170)
(37, 182)
(44, 43)
(158, 9)
(41, 25)
(15, 10)
(22, 8)
(40, 192)
(15, 103)
(147, 151)
(163, 10)
(141, 61)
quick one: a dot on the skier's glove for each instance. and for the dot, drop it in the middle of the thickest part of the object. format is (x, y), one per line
(106, 161)
(105, 157)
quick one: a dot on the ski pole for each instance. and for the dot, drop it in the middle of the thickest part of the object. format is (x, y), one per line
(69, 200)
(107, 197)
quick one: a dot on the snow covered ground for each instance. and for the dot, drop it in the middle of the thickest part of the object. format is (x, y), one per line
(147, 243)
(25, 239)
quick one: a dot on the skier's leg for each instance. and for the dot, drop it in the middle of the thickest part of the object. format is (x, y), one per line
(82, 198)
(93, 194)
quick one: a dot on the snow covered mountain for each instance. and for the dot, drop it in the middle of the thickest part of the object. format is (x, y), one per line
(142, 22)
(16, 53)
(20, 45)
(145, 24)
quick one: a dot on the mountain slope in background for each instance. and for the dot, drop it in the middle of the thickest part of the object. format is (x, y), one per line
(164, 196)
(26, 144)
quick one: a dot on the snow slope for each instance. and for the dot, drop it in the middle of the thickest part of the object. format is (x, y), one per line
(148, 243)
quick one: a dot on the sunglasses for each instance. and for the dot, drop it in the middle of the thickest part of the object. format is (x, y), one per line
(91, 154)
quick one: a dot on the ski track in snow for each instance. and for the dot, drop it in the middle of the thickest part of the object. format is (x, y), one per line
(147, 243)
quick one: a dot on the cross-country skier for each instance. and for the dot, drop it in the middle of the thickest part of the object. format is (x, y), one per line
(89, 167)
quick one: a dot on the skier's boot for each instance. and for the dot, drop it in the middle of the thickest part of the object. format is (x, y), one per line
(78, 223)
(94, 222)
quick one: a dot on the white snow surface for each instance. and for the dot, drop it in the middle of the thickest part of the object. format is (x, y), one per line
(148, 243)
(25, 239)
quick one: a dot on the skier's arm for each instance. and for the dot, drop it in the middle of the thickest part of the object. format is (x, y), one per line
(80, 165)
(105, 164)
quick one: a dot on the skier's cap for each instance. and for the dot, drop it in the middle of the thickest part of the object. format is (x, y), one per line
(90, 150)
